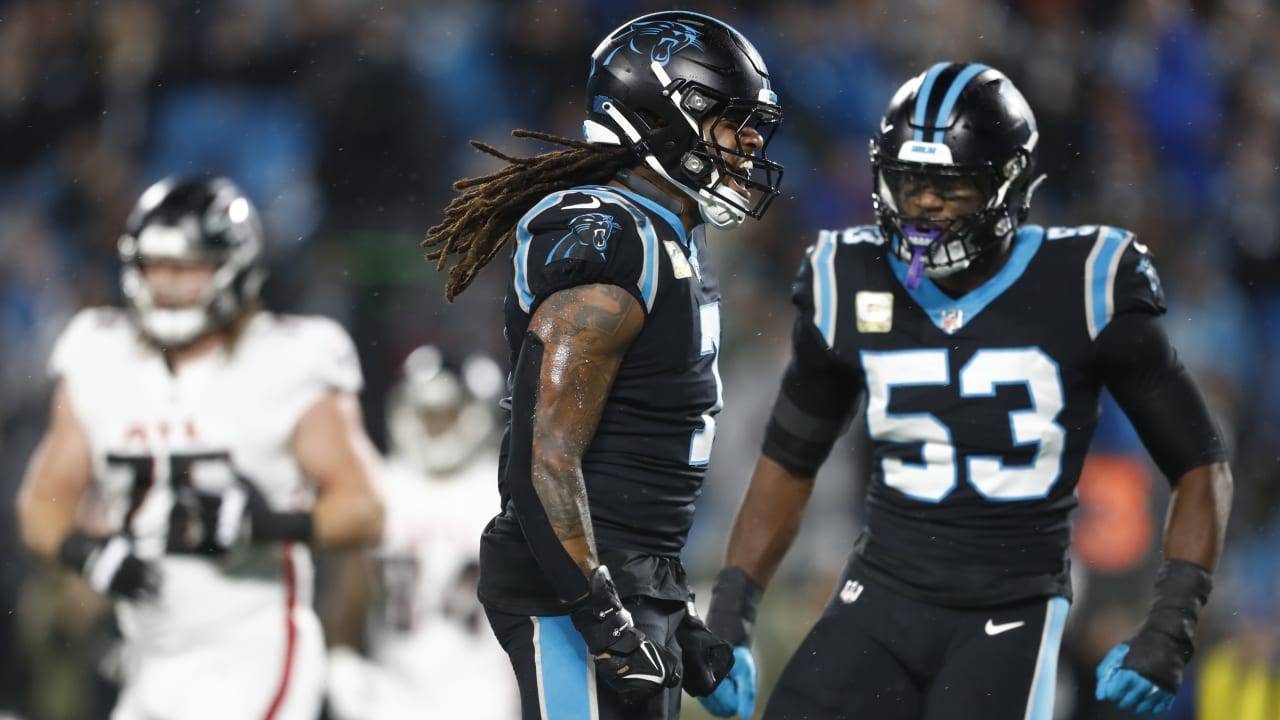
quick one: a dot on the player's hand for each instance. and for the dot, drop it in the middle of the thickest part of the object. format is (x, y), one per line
(736, 695)
(1144, 673)
(216, 523)
(111, 566)
(706, 658)
(627, 661)
(1127, 677)
(205, 522)
(735, 598)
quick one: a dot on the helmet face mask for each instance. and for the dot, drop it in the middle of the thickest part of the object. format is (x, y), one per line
(734, 173)
(199, 223)
(668, 85)
(964, 133)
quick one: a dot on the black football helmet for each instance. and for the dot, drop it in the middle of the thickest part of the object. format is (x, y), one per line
(195, 221)
(653, 83)
(956, 123)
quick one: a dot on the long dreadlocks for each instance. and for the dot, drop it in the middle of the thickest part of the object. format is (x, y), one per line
(478, 222)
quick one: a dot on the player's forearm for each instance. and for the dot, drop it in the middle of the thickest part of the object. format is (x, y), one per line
(768, 521)
(346, 519)
(563, 493)
(571, 399)
(586, 331)
(350, 591)
(1197, 522)
(44, 522)
(561, 383)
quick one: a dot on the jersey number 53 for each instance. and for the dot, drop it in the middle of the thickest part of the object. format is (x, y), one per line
(935, 478)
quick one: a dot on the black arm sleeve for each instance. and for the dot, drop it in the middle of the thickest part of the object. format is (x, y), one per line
(814, 405)
(1138, 365)
(559, 568)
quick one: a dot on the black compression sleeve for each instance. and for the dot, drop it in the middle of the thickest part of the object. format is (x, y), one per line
(814, 405)
(1138, 365)
(561, 571)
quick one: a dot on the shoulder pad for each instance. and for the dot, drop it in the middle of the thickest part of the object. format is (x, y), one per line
(814, 291)
(83, 336)
(324, 346)
(1078, 231)
(1119, 276)
(582, 236)
(859, 234)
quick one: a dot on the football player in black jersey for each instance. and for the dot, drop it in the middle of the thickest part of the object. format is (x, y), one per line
(613, 320)
(980, 346)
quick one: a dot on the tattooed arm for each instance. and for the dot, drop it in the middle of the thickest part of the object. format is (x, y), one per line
(585, 331)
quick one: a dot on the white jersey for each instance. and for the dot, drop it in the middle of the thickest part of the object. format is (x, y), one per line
(435, 653)
(151, 430)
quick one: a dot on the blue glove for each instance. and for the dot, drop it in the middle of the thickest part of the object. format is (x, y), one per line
(736, 694)
(1127, 688)
(1144, 673)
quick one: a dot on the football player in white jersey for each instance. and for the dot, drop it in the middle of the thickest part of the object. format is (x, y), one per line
(431, 654)
(224, 441)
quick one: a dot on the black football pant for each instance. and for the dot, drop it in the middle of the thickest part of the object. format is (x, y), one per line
(556, 677)
(878, 655)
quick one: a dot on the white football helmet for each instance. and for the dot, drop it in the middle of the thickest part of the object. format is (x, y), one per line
(440, 417)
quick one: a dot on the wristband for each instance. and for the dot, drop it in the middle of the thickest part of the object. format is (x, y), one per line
(1182, 589)
(283, 527)
(75, 549)
(735, 600)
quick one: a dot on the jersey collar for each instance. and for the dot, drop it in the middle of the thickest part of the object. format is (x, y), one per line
(640, 190)
(951, 314)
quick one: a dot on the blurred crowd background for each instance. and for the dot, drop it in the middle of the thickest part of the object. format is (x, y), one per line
(347, 120)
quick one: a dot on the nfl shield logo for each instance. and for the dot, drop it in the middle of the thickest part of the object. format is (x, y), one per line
(952, 319)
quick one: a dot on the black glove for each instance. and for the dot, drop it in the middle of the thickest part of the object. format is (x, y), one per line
(1144, 673)
(214, 523)
(735, 599)
(635, 667)
(707, 659)
(110, 566)
(1166, 641)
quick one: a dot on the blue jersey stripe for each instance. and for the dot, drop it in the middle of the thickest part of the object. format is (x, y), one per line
(1046, 678)
(648, 281)
(922, 98)
(520, 259)
(953, 94)
(1100, 274)
(824, 286)
(565, 685)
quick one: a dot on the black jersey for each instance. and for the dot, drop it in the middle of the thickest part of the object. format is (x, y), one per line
(979, 408)
(645, 465)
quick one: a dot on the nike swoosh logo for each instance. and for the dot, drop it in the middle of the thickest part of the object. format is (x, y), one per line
(595, 203)
(885, 125)
(994, 629)
(656, 660)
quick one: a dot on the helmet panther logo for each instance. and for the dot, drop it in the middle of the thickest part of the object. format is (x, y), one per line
(587, 239)
(659, 39)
